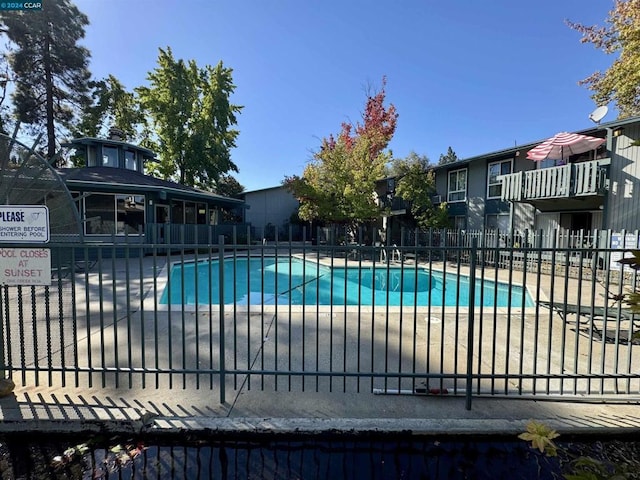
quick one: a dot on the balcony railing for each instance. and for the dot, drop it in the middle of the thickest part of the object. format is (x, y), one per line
(394, 204)
(571, 180)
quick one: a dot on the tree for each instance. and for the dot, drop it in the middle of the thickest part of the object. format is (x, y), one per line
(449, 157)
(228, 186)
(338, 185)
(5, 78)
(111, 106)
(416, 185)
(621, 82)
(192, 119)
(51, 69)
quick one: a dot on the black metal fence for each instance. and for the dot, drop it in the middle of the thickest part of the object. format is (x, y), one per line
(462, 313)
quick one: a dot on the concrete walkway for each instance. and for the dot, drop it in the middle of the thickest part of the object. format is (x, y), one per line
(163, 410)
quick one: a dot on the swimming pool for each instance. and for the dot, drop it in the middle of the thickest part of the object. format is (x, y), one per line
(294, 281)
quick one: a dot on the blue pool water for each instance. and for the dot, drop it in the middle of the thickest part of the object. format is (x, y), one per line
(292, 281)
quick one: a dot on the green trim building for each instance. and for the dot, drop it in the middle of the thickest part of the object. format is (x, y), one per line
(117, 200)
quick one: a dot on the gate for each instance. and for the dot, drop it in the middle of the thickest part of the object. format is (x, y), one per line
(515, 321)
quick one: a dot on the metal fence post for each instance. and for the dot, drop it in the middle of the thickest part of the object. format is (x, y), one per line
(221, 346)
(2, 362)
(471, 319)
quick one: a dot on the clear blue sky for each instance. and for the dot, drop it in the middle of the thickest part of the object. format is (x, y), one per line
(475, 75)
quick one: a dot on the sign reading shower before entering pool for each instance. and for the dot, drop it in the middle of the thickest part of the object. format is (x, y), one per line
(24, 224)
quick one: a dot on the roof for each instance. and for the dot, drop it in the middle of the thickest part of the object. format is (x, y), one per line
(260, 190)
(120, 177)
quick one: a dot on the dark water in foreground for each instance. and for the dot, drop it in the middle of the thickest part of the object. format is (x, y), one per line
(31, 456)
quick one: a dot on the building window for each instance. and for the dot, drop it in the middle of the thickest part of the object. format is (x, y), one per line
(457, 186)
(213, 216)
(498, 221)
(459, 222)
(177, 211)
(550, 162)
(92, 157)
(202, 214)
(130, 214)
(130, 161)
(494, 186)
(109, 156)
(100, 214)
(114, 214)
(189, 213)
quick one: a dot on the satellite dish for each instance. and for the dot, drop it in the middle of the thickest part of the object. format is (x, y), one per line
(598, 114)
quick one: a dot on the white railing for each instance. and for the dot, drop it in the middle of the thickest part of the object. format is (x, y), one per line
(575, 179)
(588, 178)
(547, 182)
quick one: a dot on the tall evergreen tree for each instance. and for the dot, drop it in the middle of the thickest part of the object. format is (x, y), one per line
(5, 78)
(50, 68)
(449, 157)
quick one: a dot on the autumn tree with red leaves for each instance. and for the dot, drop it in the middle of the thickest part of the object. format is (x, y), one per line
(338, 185)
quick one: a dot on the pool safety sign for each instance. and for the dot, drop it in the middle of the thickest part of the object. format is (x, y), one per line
(24, 223)
(24, 266)
(627, 242)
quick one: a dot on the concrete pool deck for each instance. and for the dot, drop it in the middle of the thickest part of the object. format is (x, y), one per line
(65, 408)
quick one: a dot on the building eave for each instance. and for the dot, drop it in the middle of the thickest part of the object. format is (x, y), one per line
(211, 197)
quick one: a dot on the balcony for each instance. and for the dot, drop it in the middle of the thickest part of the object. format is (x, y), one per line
(396, 205)
(567, 181)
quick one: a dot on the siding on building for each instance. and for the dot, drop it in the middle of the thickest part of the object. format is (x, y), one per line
(476, 193)
(623, 200)
(269, 206)
(524, 216)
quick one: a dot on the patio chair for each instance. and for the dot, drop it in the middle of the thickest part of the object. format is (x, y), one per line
(354, 251)
(592, 311)
(588, 315)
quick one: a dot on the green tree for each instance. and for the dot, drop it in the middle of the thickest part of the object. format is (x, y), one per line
(449, 157)
(620, 83)
(111, 105)
(416, 185)
(338, 185)
(192, 119)
(228, 186)
(50, 68)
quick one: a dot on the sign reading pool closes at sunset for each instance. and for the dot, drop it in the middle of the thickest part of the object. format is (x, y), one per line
(24, 266)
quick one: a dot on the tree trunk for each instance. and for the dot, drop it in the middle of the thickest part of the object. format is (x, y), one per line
(48, 79)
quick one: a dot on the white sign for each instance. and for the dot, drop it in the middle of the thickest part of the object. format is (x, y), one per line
(25, 266)
(628, 242)
(24, 223)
